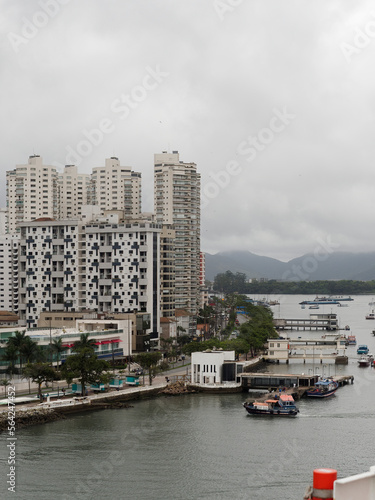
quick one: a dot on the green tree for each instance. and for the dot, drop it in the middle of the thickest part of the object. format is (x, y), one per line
(84, 342)
(39, 373)
(10, 355)
(29, 350)
(166, 344)
(201, 346)
(239, 345)
(149, 361)
(85, 366)
(58, 347)
(18, 341)
(5, 382)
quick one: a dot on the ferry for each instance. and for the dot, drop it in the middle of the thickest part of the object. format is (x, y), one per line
(284, 406)
(340, 298)
(319, 302)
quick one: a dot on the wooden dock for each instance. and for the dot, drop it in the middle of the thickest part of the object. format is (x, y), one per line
(295, 385)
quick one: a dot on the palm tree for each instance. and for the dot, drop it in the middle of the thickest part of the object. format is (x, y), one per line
(29, 350)
(58, 347)
(11, 356)
(5, 382)
(84, 342)
(18, 341)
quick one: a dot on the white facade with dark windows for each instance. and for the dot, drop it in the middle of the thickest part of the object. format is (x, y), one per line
(95, 266)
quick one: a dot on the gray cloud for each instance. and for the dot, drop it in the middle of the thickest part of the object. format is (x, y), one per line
(225, 79)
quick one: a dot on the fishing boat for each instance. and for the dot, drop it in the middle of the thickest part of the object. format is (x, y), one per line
(352, 340)
(362, 349)
(284, 406)
(323, 389)
(365, 360)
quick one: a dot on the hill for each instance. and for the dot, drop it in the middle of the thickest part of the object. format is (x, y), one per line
(308, 267)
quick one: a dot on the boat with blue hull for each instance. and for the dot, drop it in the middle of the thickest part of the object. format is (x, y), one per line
(323, 389)
(362, 349)
(283, 406)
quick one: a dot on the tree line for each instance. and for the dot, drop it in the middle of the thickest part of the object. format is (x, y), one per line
(229, 282)
(250, 336)
(25, 357)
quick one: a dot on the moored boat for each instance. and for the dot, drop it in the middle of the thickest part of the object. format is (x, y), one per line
(362, 349)
(352, 340)
(323, 389)
(370, 315)
(365, 360)
(284, 406)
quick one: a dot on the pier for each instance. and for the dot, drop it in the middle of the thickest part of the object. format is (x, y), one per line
(309, 350)
(315, 322)
(295, 385)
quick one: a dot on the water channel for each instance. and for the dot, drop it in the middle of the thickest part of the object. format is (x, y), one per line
(205, 446)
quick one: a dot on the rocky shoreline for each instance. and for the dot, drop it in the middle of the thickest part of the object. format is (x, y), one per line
(177, 389)
(30, 416)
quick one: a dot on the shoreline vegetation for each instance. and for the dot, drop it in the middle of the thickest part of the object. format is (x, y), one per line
(245, 339)
(229, 282)
(35, 414)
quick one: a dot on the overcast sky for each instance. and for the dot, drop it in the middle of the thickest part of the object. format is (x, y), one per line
(273, 100)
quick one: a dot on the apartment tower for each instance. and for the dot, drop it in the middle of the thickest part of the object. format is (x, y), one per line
(117, 188)
(31, 192)
(177, 203)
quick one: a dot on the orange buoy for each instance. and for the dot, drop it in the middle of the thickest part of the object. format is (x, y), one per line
(323, 480)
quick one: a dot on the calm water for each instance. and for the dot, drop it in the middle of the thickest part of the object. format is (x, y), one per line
(205, 447)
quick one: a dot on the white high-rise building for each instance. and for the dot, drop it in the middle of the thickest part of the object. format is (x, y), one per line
(3, 221)
(9, 272)
(48, 268)
(117, 188)
(36, 190)
(74, 191)
(102, 265)
(177, 203)
(31, 192)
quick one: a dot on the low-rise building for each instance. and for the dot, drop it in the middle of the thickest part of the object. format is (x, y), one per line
(208, 367)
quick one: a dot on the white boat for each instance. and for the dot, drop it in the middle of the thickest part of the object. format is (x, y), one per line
(371, 315)
(365, 360)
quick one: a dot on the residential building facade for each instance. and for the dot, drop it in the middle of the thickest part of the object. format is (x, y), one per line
(9, 272)
(31, 192)
(74, 190)
(68, 265)
(177, 203)
(117, 188)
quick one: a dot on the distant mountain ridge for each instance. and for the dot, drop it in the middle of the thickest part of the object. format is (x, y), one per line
(308, 267)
